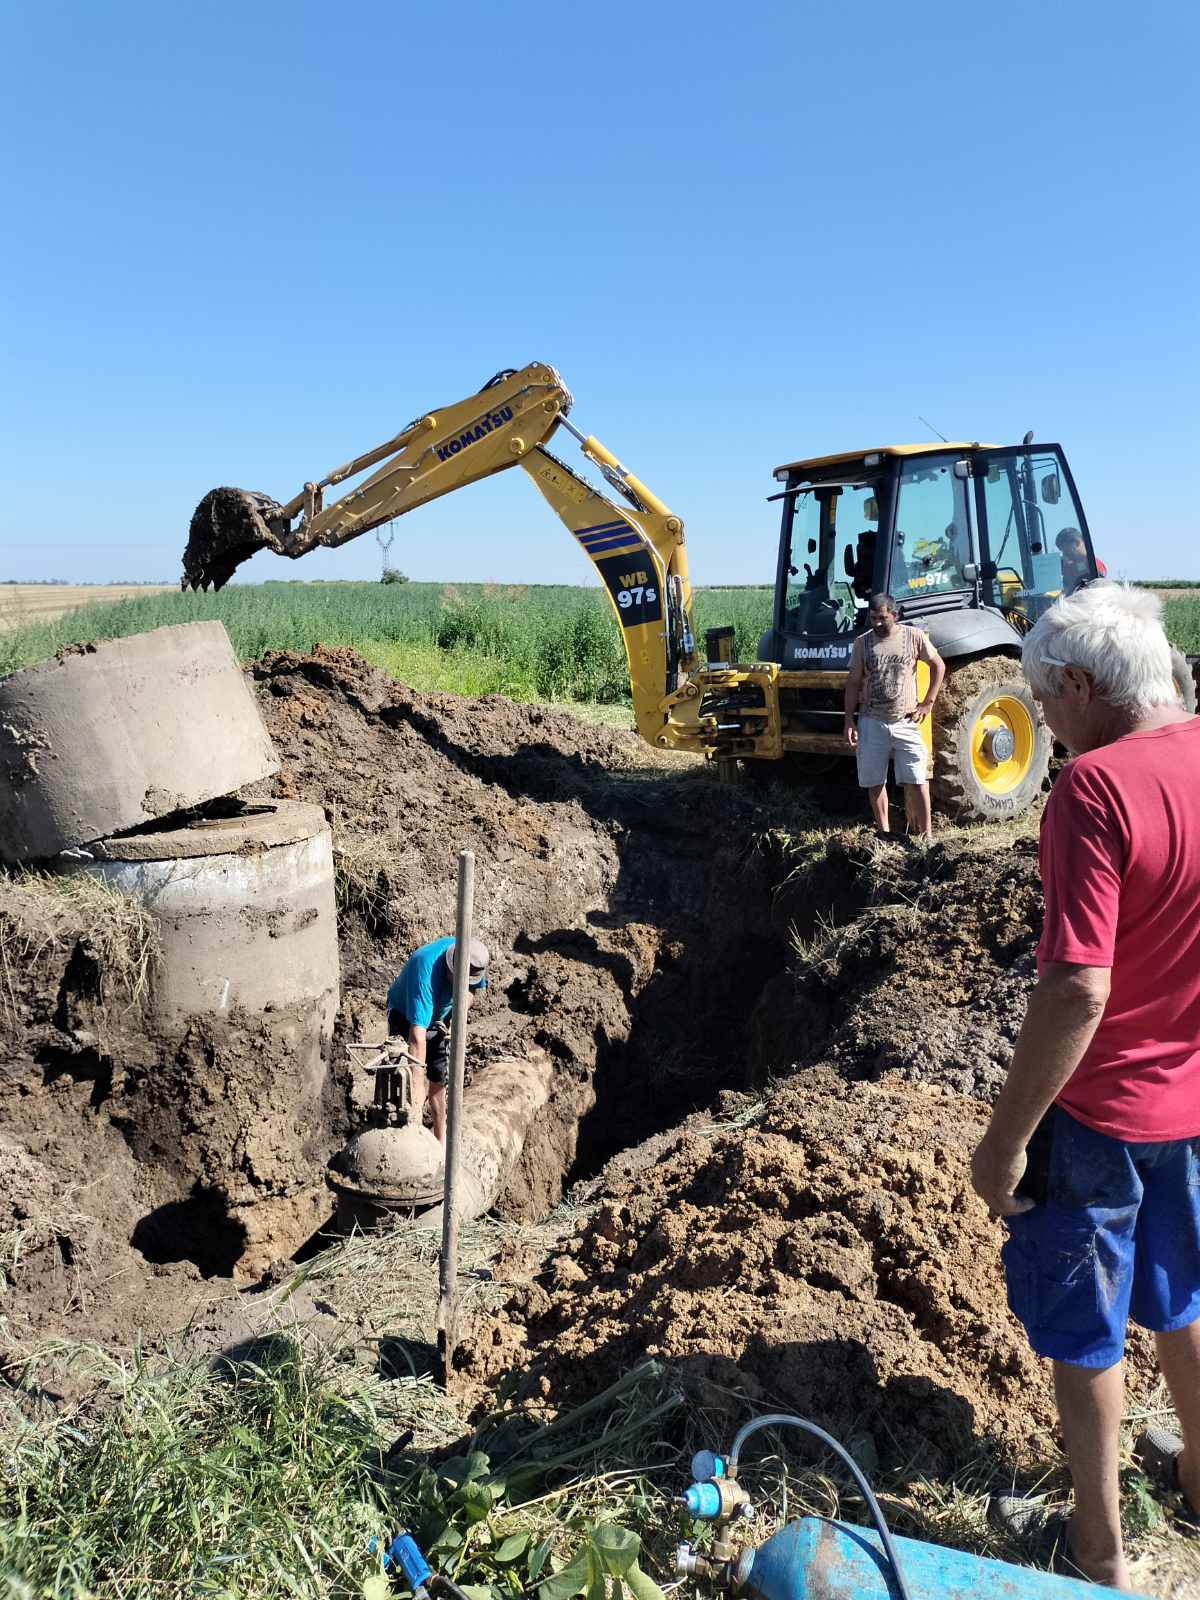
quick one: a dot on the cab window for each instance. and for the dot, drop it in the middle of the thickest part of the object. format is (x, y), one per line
(832, 557)
(1034, 535)
(933, 531)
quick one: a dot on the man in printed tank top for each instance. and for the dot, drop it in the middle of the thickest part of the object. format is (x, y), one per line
(884, 716)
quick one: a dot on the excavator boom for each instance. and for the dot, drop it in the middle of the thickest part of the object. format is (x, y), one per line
(636, 548)
(441, 451)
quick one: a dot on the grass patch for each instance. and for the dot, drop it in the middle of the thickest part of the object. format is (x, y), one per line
(1181, 618)
(273, 1480)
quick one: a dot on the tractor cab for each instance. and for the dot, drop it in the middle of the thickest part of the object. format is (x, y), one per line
(943, 528)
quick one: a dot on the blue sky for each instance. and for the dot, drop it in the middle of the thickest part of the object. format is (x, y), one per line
(246, 242)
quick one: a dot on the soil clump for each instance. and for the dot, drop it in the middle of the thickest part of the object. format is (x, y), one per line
(910, 960)
(628, 912)
(830, 1259)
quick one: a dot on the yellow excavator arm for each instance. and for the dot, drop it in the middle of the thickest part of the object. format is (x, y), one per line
(637, 548)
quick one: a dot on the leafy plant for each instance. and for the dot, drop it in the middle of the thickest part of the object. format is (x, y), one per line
(606, 1566)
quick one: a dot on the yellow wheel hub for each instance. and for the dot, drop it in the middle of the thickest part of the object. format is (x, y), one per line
(1003, 742)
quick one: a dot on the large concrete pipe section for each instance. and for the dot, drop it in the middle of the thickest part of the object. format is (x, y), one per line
(245, 911)
(386, 1170)
(110, 736)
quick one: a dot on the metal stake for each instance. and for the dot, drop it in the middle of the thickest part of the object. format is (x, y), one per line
(448, 1260)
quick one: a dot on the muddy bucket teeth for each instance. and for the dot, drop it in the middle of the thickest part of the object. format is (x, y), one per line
(227, 528)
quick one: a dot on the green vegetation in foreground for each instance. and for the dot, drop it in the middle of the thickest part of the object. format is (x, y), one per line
(273, 1477)
(552, 642)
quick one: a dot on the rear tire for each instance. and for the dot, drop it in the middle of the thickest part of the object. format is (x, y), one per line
(991, 747)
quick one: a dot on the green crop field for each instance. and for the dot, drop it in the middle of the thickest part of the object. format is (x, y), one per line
(1182, 618)
(541, 642)
(536, 642)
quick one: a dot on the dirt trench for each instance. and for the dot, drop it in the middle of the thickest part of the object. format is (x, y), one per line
(630, 920)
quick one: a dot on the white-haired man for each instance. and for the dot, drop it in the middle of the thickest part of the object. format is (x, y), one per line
(1093, 1152)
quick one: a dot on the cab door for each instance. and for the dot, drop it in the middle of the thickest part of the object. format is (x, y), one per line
(1034, 538)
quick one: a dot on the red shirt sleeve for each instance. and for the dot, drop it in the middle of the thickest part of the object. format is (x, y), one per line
(1082, 854)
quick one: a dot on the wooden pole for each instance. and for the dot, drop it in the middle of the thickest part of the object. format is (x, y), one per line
(448, 1260)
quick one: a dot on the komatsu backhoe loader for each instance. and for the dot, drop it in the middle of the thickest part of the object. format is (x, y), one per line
(974, 542)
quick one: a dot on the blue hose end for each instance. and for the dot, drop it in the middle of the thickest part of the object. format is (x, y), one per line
(703, 1501)
(707, 1465)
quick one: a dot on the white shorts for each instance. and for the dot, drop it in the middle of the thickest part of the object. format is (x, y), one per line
(881, 742)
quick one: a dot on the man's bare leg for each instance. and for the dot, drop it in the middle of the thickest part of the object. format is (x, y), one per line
(437, 1107)
(420, 1091)
(877, 796)
(1179, 1360)
(1091, 1403)
(919, 810)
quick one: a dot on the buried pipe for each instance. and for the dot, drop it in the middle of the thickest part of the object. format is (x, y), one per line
(497, 1112)
(398, 1170)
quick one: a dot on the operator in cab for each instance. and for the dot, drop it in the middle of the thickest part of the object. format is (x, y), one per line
(1074, 559)
(418, 1007)
(884, 716)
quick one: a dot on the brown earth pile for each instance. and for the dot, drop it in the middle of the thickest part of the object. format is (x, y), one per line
(916, 962)
(831, 1260)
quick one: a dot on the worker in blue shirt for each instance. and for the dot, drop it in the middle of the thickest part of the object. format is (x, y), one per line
(418, 1007)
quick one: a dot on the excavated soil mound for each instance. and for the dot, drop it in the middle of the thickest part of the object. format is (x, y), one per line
(831, 1260)
(914, 961)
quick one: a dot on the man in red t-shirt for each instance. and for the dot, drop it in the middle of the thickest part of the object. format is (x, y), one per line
(1093, 1152)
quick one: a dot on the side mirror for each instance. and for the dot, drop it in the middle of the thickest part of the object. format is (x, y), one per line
(1051, 489)
(962, 469)
(970, 572)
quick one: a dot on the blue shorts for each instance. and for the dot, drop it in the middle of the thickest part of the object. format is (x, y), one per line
(1116, 1234)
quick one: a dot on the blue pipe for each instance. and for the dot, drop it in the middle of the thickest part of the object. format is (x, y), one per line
(815, 1559)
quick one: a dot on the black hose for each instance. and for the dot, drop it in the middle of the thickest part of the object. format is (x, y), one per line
(902, 1590)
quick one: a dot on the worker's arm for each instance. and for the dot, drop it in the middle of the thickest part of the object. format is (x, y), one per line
(937, 675)
(417, 1037)
(854, 683)
(1064, 1012)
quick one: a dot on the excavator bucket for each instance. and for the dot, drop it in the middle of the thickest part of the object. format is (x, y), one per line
(227, 527)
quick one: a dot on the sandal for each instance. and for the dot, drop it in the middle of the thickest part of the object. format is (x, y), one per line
(1157, 1452)
(1041, 1533)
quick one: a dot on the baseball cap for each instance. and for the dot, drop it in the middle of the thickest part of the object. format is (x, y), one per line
(479, 958)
